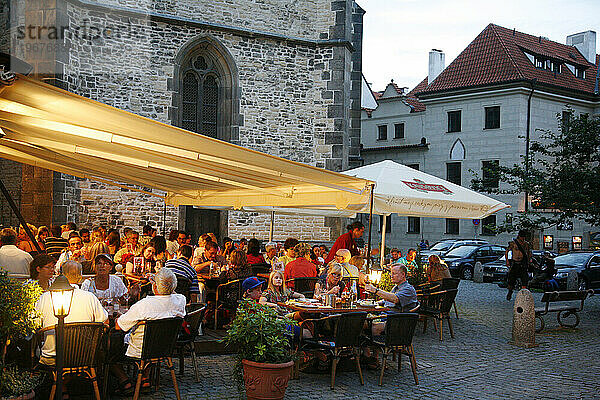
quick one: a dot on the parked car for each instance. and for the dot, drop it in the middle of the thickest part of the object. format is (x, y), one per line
(587, 265)
(461, 260)
(497, 271)
(444, 246)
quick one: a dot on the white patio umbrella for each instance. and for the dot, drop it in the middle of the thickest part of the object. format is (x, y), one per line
(406, 191)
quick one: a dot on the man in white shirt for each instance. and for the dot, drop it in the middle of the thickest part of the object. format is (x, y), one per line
(85, 307)
(164, 304)
(74, 252)
(13, 259)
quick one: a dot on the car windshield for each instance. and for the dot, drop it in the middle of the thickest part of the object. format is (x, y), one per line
(441, 246)
(461, 251)
(572, 259)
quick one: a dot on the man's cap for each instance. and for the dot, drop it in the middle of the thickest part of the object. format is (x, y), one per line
(250, 283)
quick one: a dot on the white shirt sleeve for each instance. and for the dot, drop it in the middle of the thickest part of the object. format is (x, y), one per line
(131, 317)
(86, 285)
(100, 314)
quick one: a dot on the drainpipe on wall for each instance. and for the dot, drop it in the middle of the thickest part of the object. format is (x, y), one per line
(532, 83)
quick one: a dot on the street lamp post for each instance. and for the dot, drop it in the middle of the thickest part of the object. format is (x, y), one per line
(61, 294)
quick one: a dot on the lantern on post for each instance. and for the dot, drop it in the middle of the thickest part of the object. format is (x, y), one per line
(61, 294)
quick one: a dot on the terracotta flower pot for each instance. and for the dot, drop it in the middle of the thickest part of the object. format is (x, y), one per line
(26, 396)
(266, 381)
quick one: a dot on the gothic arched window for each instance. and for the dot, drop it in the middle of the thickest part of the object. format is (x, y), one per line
(200, 96)
(206, 93)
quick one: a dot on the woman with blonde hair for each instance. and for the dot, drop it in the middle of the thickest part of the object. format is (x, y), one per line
(277, 291)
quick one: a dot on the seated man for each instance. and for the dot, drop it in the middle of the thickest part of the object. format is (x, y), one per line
(181, 267)
(403, 296)
(74, 252)
(208, 257)
(164, 304)
(13, 259)
(300, 267)
(85, 307)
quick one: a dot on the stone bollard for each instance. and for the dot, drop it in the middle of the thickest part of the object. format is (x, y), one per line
(478, 273)
(523, 329)
(572, 280)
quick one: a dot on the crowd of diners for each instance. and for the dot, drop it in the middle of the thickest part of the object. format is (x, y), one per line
(112, 259)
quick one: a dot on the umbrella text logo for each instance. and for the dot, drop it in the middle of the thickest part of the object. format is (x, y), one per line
(427, 187)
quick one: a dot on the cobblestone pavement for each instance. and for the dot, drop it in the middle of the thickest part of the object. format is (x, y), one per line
(478, 363)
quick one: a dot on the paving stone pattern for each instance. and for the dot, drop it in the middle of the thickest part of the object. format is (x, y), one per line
(478, 364)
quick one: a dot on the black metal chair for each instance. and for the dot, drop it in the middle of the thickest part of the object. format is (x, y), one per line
(82, 345)
(451, 283)
(342, 339)
(438, 306)
(183, 286)
(261, 268)
(228, 296)
(160, 336)
(305, 285)
(185, 341)
(397, 339)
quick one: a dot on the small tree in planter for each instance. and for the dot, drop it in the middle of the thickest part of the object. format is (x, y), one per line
(18, 318)
(263, 350)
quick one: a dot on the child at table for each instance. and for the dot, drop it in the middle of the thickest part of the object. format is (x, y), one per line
(277, 291)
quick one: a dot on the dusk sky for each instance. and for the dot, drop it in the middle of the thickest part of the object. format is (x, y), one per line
(398, 34)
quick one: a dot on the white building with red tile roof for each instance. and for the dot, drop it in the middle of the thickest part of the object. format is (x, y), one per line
(478, 110)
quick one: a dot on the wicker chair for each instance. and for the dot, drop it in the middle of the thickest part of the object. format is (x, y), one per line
(160, 336)
(82, 345)
(344, 339)
(399, 331)
(438, 306)
(228, 296)
(186, 342)
(305, 285)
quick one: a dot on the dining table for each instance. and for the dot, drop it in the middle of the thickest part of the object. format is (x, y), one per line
(319, 308)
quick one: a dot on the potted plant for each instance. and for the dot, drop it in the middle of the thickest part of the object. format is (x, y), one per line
(263, 350)
(18, 318)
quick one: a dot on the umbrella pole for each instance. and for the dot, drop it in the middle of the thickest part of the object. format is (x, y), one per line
(370, 230)
(382, 250)
(272, 226)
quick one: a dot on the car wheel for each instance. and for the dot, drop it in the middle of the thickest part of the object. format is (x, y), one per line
(467, 273)
(583, 284)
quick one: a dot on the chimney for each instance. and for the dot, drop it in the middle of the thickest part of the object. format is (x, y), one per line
(437, 63)
(585, 42)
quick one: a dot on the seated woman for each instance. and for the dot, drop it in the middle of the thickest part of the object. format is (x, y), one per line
(253, 253)
(238, 267)
(277, 292)
(105, 287)
(24, 242)
(437, 269)
(148, 263)
(331, 283)
(41, 269)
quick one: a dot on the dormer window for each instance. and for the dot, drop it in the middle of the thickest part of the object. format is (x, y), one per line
(580, 72)
(540, 62)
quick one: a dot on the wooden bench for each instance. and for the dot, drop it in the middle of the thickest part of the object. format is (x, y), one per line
(565, 309)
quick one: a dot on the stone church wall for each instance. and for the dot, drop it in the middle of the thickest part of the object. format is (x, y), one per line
(294, 61)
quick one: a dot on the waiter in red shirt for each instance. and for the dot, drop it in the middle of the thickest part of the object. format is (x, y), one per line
(347, 241)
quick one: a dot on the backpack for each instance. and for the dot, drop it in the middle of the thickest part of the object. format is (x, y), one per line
(551, 285)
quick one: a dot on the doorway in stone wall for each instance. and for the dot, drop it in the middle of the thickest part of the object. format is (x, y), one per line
(199, 222)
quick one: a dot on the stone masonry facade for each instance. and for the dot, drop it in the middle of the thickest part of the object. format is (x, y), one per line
(295, 87)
